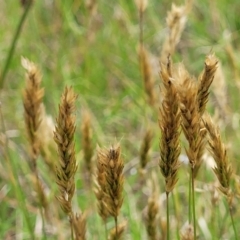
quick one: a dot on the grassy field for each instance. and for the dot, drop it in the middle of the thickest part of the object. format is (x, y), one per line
(95, 47)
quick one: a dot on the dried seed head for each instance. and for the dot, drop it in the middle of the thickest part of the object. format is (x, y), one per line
(205, 80)
(110, 165)
(223, 169)
(169, 123)
(64, 137)
(32, 101)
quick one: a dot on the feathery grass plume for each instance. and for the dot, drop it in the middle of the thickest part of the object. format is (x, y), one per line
(112, 164)
(191, 119)
(144, 149)
(64, 138)
(205, 80)
(79, 226)
(118, 235)
(223, 169)
(176, 20)
(169, 123)
(147, 75)
(204, 83)
(32, 102)
(101, 190)
(33, 107)
(87, 142)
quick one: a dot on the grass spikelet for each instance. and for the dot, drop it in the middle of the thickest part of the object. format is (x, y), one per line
(33, 108)
(79, 226)
(32, 101)
(169, 123)
(176, 20)
(147, 75)
(112, 166)
(87, 142)
(205, 80)
(190, 117)
(223, 169)
(101, 191)
(64, 138)
(144, 149)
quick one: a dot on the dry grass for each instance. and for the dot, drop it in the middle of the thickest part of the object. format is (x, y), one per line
(121, 112)
(223, 169)
(110, 180)
(169, 123)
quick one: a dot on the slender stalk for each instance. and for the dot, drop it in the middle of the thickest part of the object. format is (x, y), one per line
(116, 224)
(175, 204)
(232, 220)
(190, 201)
(168, 222)
(105, 227)
(71, 225)
(14, 43)
(12, 168)
(193, 205)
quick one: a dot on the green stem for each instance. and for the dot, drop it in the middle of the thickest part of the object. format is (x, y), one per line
(13, 44)
(116, 225)
(176, 209)
(105, 227)
(168, 222)
(190, 200)
(193, 205)
(232, 220)
(12, 169)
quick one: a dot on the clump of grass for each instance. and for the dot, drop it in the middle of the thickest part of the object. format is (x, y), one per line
(110, 179)
(169, 123)
(67, 166)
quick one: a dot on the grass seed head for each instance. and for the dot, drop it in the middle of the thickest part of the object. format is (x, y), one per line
(64, 138)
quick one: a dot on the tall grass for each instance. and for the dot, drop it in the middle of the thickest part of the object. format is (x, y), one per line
(176, 174)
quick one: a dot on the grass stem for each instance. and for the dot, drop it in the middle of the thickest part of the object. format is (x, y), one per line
(14, 43)
(168, 222)
(232, 221)
(193, 204)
